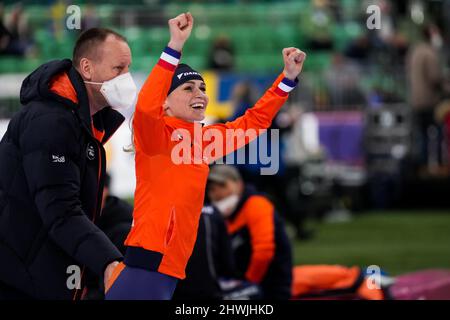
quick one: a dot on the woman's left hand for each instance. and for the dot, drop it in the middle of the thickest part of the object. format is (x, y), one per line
(293, 62)
(180, 29)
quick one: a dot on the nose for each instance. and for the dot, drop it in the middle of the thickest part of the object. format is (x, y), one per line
(199, 93)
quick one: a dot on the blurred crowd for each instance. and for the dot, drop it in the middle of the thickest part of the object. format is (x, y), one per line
(15, 35)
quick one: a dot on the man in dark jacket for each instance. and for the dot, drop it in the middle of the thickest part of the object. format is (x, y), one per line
(52, 164)
(261, 248)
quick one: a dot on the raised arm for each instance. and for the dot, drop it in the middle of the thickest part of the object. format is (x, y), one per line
(148, 123)
(260, 116)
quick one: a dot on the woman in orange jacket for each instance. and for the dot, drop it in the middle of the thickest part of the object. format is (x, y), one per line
(172, 168)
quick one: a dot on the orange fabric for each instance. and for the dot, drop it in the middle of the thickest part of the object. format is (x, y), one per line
(321, 277)
(166, 191)
(61, 85)
(310, 278)
(366, 292)
(257, 215)
(115, 274)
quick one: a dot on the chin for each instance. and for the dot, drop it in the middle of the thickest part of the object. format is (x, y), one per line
(199, 118)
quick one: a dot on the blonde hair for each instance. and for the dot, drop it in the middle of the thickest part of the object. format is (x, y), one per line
(130, 148)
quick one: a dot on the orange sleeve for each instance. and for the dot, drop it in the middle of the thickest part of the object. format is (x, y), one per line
(258, 117)
(261, 224)
(150, 132)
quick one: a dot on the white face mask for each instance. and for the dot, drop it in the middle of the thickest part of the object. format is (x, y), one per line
(227, 205)
(120, 92)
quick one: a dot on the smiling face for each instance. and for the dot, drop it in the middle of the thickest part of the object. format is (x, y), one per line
(188, 101)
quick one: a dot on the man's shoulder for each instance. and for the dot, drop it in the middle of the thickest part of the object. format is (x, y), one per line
(35, 112)
(40, 121)
(54, 113)
(48, 108)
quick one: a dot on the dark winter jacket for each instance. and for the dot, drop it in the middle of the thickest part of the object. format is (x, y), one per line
(261, 247)
(51, 182)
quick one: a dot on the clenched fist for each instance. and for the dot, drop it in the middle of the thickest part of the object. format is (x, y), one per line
(293, 62)
(180, 30)
(108, 272)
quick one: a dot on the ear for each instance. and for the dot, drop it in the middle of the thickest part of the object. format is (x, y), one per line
(166, 105)
(86, 69)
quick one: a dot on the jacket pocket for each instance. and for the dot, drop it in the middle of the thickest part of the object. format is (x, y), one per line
(171, 227)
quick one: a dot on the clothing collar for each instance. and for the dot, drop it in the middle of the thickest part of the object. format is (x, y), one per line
(106, 120)
(249, 190)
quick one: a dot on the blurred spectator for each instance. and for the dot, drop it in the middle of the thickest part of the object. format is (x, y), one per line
(359, 49)
(442, 116)
(244, 96)
(425, 79)
(5, 35)
(58, 14)
(317, 24)
(14, 33)
(343, 79)
(336, 8)
(260, 245)
(302, 137)
(388, 44)
(211, 260)
(381, 37)
(221, 57)
(90, 18)
(446, 29)
(387, 30)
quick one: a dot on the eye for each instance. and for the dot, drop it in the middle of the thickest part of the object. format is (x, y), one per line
(188, 88)
(203, 89)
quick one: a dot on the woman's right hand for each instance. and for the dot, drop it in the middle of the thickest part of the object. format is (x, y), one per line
(180, 30)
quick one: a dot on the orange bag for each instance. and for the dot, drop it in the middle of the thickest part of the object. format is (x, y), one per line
(332, 282)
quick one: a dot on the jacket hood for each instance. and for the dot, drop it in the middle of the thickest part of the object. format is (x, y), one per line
(36, 85)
